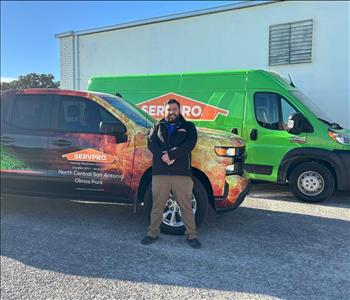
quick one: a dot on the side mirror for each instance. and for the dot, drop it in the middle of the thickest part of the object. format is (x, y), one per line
(112, 128)
(296, 123)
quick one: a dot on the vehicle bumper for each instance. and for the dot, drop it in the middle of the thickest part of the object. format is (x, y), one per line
(236, 189)
(343, 166)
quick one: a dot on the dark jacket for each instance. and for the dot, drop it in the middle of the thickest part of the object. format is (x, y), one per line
(178, 145)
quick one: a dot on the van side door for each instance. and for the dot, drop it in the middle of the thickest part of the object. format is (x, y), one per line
(24, 139)
(266, 133)
(85, 162)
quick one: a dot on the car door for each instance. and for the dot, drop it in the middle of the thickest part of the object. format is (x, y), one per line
(266, 133)
(24, 141)
(85, 162)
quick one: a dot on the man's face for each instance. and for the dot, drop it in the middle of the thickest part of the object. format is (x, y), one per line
(172, 112)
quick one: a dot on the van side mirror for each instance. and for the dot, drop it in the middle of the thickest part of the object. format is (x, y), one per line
(296, 123)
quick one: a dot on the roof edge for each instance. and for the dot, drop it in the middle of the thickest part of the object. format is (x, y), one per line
(64, 34)
(195, 13)
(108, 76)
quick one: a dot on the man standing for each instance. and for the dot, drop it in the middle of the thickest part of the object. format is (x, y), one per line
(171, 141)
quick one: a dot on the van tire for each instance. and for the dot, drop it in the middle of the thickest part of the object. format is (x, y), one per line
(312, 182)
(201, 200)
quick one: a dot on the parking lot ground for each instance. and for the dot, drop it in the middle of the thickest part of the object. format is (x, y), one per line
(272, 247)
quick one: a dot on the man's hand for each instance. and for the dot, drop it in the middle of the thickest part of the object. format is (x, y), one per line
(171, 162)
(166, 159)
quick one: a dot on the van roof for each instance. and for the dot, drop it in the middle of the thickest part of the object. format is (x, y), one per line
(253, 78)
(217, 72)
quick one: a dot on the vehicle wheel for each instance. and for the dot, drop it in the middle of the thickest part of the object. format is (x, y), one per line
(172, 223)
(312, 182)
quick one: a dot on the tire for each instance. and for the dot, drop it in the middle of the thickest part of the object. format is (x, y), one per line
(312, 182)
(200, 204)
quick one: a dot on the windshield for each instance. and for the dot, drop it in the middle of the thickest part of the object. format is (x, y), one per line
(315, 109)
(132, 112)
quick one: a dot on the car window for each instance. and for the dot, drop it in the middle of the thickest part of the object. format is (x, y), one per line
(287, 110)
(272, 110)
(266, 109)
(30, 112)
(106, 116)
(77, 114)
(137, 115)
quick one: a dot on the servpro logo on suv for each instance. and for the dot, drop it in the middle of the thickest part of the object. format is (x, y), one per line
(90, 155)
(191, 109)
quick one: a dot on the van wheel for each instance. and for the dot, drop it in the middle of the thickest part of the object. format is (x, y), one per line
(172, 223)
(312, 182)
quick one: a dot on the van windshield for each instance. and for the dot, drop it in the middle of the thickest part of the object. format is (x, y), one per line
(315, 109)
(131, 111)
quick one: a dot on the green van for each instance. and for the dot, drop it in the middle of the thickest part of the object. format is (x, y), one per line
(289, 139)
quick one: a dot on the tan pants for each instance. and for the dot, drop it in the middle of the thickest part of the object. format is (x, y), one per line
(181, 186)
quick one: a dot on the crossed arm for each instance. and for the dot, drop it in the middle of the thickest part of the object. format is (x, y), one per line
(186, 147)
(156, 149)
(169, 156)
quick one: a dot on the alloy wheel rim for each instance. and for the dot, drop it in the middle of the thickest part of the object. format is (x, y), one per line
(172, 212)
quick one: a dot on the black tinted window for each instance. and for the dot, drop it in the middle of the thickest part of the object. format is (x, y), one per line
(77, 114)
(140, 117)
(107, 117)
(30, 112)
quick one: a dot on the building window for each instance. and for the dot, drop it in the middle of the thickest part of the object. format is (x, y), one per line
(290, 43)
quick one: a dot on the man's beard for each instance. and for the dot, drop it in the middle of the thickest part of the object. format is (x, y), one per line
(172, 119)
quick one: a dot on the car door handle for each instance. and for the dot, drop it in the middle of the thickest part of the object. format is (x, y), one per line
(254, 134)
(6, 140)
(234, 130)
(61, 143)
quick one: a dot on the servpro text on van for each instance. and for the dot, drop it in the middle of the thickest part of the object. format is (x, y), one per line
(289, 139)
